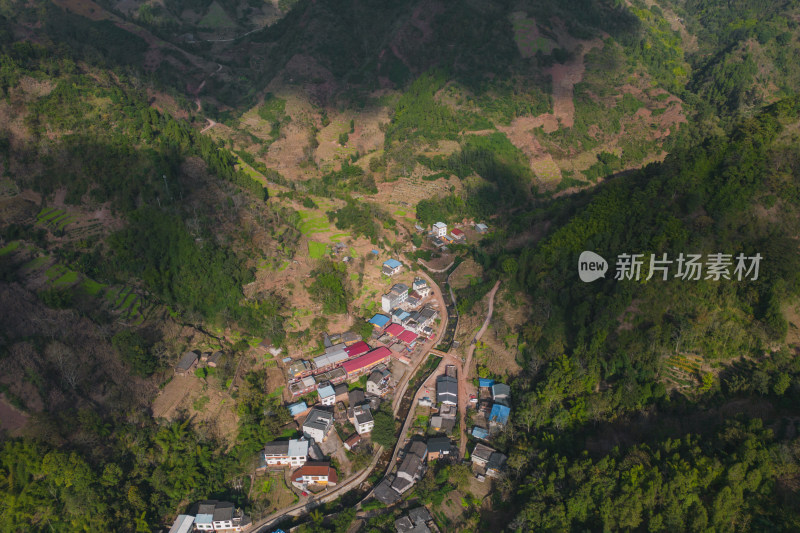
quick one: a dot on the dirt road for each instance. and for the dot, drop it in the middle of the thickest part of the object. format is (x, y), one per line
(463, 377)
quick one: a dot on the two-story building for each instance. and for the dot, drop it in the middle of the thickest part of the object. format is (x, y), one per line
(292, 452)
(318, 425)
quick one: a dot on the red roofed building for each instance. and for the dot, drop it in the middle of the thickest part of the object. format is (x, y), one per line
(314, 473)
(407, 337)
(394, 330)
(457, 234)
(359, 348)
(359, 365)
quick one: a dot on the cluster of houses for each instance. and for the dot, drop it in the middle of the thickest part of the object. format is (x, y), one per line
(304, 454)
(212, 515)
(344, 361)
(191, 359)
(446, 405)
(494, 404)
(440, 237)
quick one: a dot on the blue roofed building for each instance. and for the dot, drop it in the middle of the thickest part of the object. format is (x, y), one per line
(379, 320)
(399, 316)
(327, 396)
(485, 382)
(499, 414)
(391, 267)
(297, 408)
(480, 433)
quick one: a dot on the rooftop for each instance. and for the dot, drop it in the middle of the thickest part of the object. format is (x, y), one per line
(482, 451)
(440, 225)
(316, 469)
(359, 348)
(392, 263)
(364, 416)
(394, 329)
(298, 448)
(369, 359)
(187, 360)
(379, 320)
(499, 414)
(183, 524)
(438, 444)
(297, 408)
(407, 336)
(326, 391)
(332, 355)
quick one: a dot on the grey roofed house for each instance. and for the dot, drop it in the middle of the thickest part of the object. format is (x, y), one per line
(318, 416)
(481, 454)
(188, 360)
(356, 397)
(333, 355)
(501, 392)
(403, 524)
(183, 524)
(439, 445)
(420, 515)
(446, 389)
(496, 464)
(223, 511)
(340, 389)
(445, 425)
(364, 416)
(215, 359)
(385, 493)
(277, 447)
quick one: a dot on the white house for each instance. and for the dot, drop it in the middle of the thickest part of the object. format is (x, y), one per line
(439, 229)
(327, 396)
(286, 452)
(421, 286)
(318, 424)
(393, 298)
(364, 422)
(319, 473)
(213, 515)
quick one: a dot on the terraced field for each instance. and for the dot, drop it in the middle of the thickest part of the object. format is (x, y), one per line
(683, 370)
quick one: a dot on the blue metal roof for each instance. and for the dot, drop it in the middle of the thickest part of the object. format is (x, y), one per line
(376, 252)
(485, 382)
(479, 432)
(326, 391)
(392, 263)
(379, 320)
(499, 414)
(297, 408)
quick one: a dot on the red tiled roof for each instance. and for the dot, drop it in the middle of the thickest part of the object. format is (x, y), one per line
(457, 232)
(375, 356)
(407, 336)
(355, 439)
(394, 330)
(316, 469)
(359, 348)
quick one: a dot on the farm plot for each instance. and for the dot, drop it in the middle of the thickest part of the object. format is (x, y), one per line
(311, 222)
(54, 219)
(683, 370)
(317, 250)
